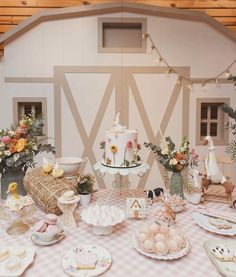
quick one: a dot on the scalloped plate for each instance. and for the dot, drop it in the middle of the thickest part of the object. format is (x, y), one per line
(203, 221)
(184, 251)
(25, 262)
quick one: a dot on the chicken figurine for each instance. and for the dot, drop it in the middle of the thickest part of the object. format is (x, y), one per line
(214, 175)
(15, 201)
(47, 166)
(57, 172)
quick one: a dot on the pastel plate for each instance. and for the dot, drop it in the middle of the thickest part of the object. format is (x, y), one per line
(35, 239)
(225, 268)
(203, 221)
(171, 256)
(104, 261)
(25, 262)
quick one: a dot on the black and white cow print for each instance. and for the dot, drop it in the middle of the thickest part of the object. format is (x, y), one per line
(154, 193)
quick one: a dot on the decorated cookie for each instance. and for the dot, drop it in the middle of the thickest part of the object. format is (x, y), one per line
(4, 253)
(222, 253)
(13, 264)
(220, 223)
(85, 260)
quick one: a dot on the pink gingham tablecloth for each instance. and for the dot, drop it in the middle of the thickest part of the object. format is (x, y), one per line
(126, 260)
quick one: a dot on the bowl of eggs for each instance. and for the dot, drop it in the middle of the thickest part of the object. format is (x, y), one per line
(160, 241)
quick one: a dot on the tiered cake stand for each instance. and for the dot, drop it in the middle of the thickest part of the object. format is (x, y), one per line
(121, 172)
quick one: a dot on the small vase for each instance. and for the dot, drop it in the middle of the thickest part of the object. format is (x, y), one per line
(85, 199)
(176, 184)
(12, 175)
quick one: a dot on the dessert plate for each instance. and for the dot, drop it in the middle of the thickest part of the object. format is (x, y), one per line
(171, 256)
(104, 261)
(225, 268)
(25, 262)
(35, 239)
(203, 221)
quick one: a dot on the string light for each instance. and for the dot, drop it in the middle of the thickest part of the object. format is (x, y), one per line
(151, 49)
(227, 74)
(170, 69)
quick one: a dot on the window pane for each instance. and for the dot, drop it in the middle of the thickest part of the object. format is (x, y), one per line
(204, 110)
(214, 111)
(203, 130)
(213, 129)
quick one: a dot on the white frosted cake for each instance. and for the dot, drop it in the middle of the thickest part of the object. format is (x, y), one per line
(120, 146)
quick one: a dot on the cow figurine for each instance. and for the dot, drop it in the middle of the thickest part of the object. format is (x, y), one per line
(151, 194)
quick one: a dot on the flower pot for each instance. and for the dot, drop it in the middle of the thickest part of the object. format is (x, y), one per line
(12, 175)
(176, 184)
(85, 199)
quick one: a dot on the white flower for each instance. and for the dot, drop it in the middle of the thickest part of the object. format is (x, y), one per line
(2, 145)
(16, 157)
(7, 153)
(12, 133)
(173, 162)
(183, 161)
(165, 151)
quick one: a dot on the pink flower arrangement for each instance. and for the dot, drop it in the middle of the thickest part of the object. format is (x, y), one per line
(129, 144)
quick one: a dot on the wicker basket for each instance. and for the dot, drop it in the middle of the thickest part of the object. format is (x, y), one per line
(45, 189)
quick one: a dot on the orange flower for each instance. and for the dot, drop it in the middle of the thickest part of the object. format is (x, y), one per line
(12, 149)
(179, 156)
(113, 149)
(20, 146)
(14, 141)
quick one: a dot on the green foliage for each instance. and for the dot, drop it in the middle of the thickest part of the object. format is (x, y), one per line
(231, 149)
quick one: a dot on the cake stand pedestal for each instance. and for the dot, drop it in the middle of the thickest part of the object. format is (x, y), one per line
(121, 172)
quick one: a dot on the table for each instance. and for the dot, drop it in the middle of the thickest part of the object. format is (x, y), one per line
(126, 260)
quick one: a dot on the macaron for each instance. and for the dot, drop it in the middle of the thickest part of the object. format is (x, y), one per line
(53, 229)
(40, 226)
(51, 219)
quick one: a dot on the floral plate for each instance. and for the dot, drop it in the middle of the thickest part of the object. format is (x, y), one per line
(104, 261)
(225, 268)
(203, 221)
(171, 256)
(25, 262)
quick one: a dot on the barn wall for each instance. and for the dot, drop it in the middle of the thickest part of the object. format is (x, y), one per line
(192, 46)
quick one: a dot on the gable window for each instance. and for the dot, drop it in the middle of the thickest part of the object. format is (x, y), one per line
(34, 106)
(116, 35)
(211, 121)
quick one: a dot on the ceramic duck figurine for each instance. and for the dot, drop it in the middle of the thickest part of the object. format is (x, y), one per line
(214, 175)
(12, 191)
(213, 172)
(47, 166)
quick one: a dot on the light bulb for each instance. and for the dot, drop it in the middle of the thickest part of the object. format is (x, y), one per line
(168, 70)
(151, 49)
(145, 36)
(190, 85)
(227, 74)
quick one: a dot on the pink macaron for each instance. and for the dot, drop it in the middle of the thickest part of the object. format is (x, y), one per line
(53, 229)
(51, 219)
(40, 226)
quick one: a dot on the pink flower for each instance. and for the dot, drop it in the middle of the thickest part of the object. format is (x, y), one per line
(6, 139)
(129, 144)
(194, 154)
(138, 146)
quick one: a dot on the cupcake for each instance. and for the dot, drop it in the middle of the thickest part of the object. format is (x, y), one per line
(51, 219)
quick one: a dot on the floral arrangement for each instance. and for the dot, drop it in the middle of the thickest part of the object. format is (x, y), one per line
(85, 182)
(19, 144)
(173, 158)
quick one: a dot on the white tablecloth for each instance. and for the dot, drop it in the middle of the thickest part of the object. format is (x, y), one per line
(126, 260)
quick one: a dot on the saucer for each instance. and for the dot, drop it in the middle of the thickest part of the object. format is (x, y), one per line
(35, 239)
